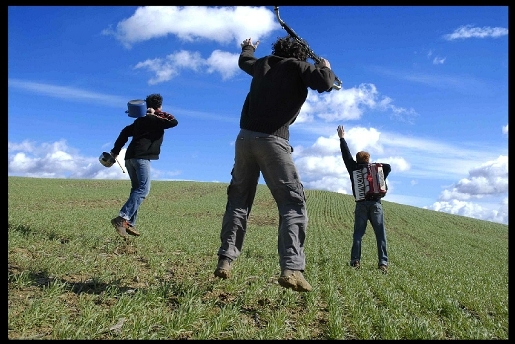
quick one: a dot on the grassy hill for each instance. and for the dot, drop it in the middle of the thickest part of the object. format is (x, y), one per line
(70, 276)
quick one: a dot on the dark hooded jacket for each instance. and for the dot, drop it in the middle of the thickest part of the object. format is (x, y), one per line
(147, 137)
(278, 90)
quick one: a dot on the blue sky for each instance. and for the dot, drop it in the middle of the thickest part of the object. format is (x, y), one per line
(425, 89)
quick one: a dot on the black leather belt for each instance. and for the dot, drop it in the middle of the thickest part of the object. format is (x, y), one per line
(375, 199)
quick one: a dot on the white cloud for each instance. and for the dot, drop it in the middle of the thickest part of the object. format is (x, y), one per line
(491, 178)
(165, 69)
(349, 104)
(439, 60)
(224, 63)
(190, 23)
(474, 210)
(57, 160)
(186, 59)
(468, 31)
(334, 184)
(66, 92)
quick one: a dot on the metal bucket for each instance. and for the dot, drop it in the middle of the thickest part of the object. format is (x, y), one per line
(137, 108)
(106, 159)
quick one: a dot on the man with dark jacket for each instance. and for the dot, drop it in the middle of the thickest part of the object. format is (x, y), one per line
(147, 134)
(278, 90)
(369, 209)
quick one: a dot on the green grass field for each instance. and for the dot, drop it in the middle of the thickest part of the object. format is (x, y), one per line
(70, 276)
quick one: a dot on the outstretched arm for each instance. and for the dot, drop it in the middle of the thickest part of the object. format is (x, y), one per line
(349, 161)
(246, 60)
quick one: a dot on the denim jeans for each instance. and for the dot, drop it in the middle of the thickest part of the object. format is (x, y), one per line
(139, 173)
(257, 152)
(369, 211)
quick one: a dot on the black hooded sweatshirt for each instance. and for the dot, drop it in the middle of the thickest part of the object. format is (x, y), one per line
(278, 90)
(147, 136)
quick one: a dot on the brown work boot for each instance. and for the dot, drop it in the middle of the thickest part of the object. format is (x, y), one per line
(120, 224)
(383, 268)
(131, 230)
(223, 269)
(294, 280)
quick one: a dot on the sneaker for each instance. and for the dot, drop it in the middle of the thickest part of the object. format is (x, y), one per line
(356, 265)
(223, 269)
(131, 230)
(120, 224)
(383, 268)
(294, 280)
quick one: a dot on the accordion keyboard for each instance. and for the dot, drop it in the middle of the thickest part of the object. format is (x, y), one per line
(359, 185)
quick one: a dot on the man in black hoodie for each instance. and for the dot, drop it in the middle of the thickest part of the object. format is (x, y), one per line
(147, 134)
(278, 90)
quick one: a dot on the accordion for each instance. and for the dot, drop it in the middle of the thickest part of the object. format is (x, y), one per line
(368, 181)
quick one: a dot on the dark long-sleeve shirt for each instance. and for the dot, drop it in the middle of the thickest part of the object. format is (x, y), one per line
(352, 165)
(278, 90)
(147, 137)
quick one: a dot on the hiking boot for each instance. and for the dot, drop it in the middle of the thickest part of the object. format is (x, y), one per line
(356, 265)
(294, 280)
(120, 224)
(131, 230)
(223, 269)
(383, 268)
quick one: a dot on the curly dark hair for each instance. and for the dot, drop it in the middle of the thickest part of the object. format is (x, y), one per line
(289, 47)
(154, 101)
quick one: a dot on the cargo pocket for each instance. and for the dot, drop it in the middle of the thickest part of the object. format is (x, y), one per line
(297, 194)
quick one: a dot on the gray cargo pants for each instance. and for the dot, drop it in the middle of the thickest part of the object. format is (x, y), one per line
(271, 155)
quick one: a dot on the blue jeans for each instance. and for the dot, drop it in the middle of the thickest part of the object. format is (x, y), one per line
(139, 173)
(369, 211)
(257, 152)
